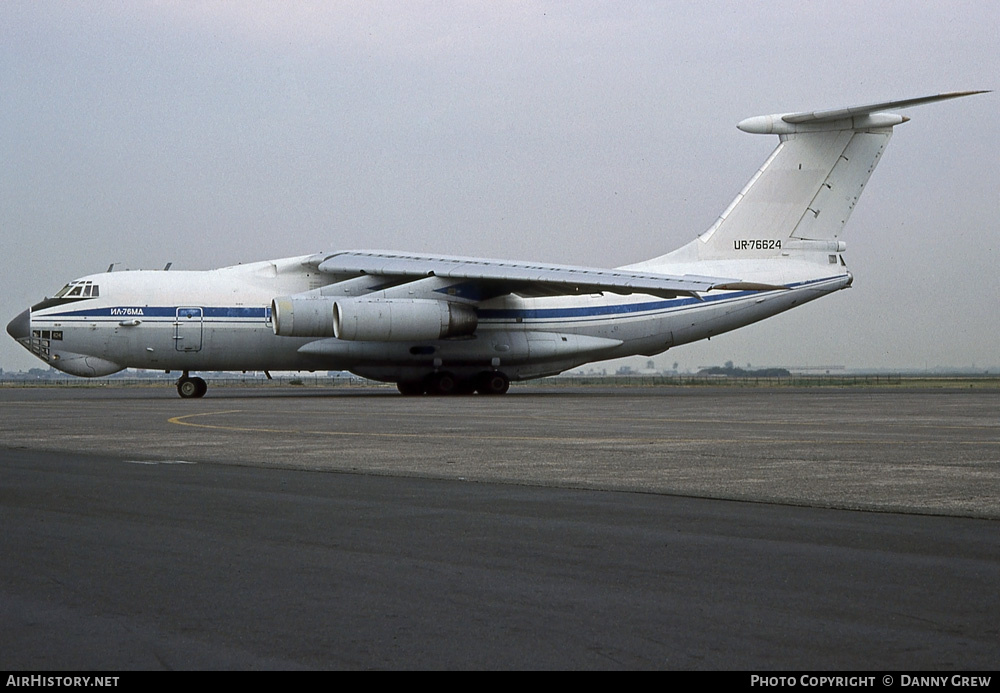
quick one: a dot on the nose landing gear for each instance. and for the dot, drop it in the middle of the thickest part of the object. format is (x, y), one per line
(189, 388)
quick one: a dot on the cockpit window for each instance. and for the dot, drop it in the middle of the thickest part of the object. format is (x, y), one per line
(79, 289)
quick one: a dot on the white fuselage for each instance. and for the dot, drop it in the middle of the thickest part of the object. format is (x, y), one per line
(221, 320)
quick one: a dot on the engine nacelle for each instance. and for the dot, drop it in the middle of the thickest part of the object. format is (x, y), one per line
(401, 320)
(295, 316)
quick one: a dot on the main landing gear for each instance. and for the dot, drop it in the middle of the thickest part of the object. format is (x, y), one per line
(445, 383)
(188, 387)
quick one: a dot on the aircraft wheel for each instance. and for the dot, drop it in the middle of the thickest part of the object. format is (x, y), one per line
(202, 387)
(493, 383)
(189, 388)
(410, 388)
(443, 384)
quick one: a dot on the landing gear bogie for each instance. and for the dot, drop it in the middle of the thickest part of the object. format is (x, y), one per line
(447, 383)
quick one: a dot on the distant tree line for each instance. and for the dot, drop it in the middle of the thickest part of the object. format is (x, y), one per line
(730, 370)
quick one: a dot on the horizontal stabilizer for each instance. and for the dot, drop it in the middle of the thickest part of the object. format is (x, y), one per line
(867, 117)
(840, 113)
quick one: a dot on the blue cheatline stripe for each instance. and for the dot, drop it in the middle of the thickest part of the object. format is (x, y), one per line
(162, 312)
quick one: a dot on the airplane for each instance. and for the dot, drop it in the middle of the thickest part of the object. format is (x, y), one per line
(441, 324)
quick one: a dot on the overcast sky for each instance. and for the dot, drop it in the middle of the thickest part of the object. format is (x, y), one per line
(593, 133)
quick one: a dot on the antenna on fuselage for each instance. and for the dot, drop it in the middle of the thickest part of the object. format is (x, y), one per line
(167, 266)
(111, 267)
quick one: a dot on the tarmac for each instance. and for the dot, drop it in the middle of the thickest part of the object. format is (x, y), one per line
(552, 528)
(932, 451)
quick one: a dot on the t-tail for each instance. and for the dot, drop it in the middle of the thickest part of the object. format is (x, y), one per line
(798, 202)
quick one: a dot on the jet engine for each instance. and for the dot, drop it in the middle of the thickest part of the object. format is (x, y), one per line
(371, 319)
(297, 316)
(401, 320)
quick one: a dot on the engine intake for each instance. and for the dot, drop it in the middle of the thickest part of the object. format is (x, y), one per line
(293, 316)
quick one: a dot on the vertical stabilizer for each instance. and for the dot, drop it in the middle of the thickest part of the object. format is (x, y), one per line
(800, 199)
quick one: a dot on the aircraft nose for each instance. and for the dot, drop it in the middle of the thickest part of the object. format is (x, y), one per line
(20, 327)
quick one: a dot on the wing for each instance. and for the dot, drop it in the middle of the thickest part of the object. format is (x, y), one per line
(491, 278)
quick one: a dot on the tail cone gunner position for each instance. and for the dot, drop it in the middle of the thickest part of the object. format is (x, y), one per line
(443, 324)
